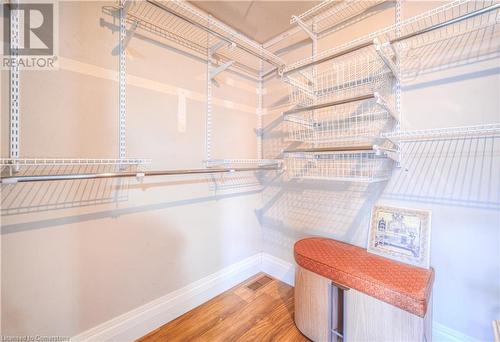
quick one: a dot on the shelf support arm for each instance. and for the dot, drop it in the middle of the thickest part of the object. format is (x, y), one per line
(213, 49)
(303, 26)
(223, 67)
(383, 103)
(127, 37)
(379, 47)
(388, 152)
(296, 120)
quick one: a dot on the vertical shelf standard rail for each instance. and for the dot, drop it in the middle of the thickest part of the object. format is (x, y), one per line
(14, 83)
(122, 111)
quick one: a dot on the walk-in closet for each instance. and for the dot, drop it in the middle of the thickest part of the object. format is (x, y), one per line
(219, 170)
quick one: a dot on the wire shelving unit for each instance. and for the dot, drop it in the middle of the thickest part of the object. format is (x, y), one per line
(362, 166)
(176, 22)
(341, 106)
(347, 96)
(346, 124)
(343, 79)
(223, 48)
(344, 103)
(448, 133)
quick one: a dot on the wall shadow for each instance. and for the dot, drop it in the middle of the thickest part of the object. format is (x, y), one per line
(453, 172)
(30, 197)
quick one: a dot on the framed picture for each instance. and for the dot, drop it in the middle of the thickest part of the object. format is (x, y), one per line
(401, 234)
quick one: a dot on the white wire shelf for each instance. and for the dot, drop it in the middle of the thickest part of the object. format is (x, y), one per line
(183, 24)
(344, 79)
(456, 17)
(329, 16)
(71, 162)
(236, 182)
(364, 166)
(235, 162)
(462, 48)
(240, 40)
(450, 133)
(351, 123)
(138, 174)
(72, 167)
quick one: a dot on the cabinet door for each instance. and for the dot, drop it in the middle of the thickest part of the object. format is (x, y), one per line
(313, 304)
(369, 319)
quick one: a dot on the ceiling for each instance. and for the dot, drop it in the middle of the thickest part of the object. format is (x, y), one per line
(260, 20)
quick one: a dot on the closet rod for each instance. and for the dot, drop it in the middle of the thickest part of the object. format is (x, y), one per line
(396, 40)
(215, 33)
(358, 148)
(330, 104)
(331, 149)
(41, 178)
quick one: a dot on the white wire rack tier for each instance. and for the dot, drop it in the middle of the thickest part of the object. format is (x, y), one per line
(475, 45)
(71, 161)
(415, 31)
(167, 19)
(248, 161)
(361, 74)
(444, 14)
(356, 167)
(71, 165)
(463, 132)
(351, 123)
(328, 16)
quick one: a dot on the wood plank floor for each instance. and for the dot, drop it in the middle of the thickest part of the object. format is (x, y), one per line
(259, 309)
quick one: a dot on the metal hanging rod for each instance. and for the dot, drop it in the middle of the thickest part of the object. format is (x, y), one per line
(232, 162)
(41, 178)
(330, 104)
(215, 33)
(358, 148)
(330, 149)
(396, 40)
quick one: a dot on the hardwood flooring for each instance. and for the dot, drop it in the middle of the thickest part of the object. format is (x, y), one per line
(259, 309)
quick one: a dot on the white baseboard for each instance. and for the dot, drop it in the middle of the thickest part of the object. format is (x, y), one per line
(138, 322)
(142, 320)
(278, 268)
(442, 333)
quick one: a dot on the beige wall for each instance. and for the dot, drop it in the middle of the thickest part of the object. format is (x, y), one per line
(76, 254)
(458, 180)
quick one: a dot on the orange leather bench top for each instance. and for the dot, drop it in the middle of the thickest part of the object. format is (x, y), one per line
(404, 286)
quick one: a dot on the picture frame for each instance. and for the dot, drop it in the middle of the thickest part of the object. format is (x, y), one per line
(401, 234)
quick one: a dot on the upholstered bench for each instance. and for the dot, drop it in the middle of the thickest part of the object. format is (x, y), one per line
(342, 291)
